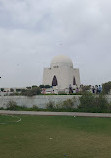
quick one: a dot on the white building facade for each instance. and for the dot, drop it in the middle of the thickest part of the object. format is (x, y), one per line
(61, 74)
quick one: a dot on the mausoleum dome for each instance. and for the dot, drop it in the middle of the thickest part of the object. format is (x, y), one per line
(60, 61)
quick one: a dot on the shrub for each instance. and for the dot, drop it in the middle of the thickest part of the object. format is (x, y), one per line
(11, 105)
(87, 101)
(50, 105)
(35, 91)
(62, 93)
(85, 88)
(67, 104)
(93, 103)
(29, 87)
(31, 92)
(101, 103)
(15, 93)
(35, 107)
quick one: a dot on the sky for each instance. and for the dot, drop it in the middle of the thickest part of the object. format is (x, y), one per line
(32, 32)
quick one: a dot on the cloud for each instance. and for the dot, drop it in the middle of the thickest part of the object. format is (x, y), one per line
(33, 32)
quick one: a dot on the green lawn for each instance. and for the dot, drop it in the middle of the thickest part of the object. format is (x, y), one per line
(55, 137)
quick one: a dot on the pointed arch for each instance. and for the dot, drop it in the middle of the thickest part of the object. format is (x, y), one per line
(54, 81)
(74, 81)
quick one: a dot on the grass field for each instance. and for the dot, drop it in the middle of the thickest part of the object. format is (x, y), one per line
(55, 137)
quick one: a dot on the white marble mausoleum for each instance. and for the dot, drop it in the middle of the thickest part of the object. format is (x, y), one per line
(61, 74)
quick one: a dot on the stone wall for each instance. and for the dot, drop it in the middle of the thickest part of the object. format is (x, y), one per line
(39, 100)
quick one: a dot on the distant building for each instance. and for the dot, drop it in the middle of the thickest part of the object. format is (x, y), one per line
(61, 75)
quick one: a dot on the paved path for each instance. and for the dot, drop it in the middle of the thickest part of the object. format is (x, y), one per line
(55, 113)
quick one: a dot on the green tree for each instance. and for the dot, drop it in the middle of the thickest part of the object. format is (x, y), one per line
(106, 87)
(34, 86)
(35, 90)
(44, 86)
(2, 89)
(11, 90)
(28, 87)
(31, 92)
(47, 86)
(18, 90)
(41, 86)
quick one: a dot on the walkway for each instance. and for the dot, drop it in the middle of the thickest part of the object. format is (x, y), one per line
(55, 113)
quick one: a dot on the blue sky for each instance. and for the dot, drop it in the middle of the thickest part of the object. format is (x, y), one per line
(32, 32)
